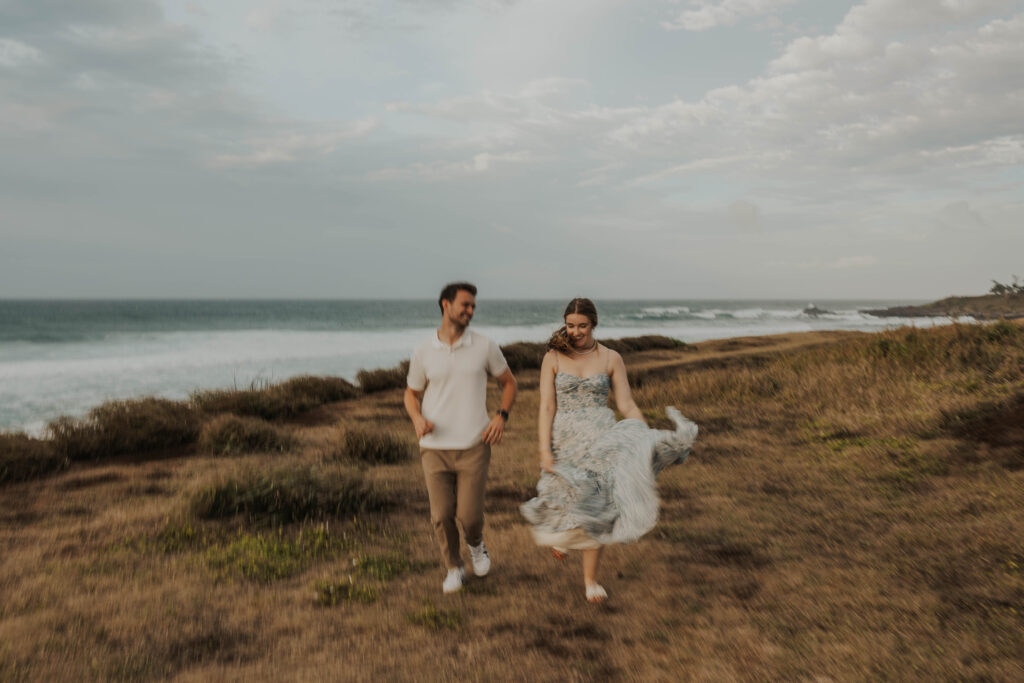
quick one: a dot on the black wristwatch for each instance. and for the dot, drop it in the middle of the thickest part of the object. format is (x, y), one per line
(504, 415)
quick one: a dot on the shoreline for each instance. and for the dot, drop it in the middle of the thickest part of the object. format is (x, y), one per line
(176, 390)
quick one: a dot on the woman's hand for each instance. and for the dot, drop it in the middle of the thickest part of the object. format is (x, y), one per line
(547, 462)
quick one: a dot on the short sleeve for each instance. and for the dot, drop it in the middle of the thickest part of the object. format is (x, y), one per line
(496, 364)
(417, 378)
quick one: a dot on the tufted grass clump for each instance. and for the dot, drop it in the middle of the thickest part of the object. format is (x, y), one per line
(383, 379)
(23, 457)
(377, 447)
(121, 427)
(285, 495)
(231, 434)
(276, 401)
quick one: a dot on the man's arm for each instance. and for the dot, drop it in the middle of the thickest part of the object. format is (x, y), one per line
(509, 388)
(413, 400)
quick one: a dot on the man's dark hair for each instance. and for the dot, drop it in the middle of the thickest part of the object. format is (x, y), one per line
(451, 290)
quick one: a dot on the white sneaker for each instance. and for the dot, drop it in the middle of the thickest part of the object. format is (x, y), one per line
(481, 560)
(453, 582)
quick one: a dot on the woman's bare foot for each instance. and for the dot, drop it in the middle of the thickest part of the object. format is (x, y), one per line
(596, 593)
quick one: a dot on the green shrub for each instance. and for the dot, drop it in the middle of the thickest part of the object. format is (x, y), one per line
(383, 379)
(375, 446)
(276, 401)
(23, 457)
(230, 434)
(293, 493)
(119, 427)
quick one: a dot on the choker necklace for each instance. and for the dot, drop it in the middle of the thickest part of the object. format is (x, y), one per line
(584, 353)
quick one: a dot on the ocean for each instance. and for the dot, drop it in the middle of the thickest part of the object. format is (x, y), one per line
(65, 357)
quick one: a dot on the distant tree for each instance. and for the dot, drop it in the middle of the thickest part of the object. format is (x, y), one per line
(999, 289)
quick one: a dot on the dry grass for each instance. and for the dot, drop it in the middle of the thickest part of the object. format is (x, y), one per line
(23, 457)
(276, 401)
(382, 379)
(231, 434)
(852, 512)
(125, 427)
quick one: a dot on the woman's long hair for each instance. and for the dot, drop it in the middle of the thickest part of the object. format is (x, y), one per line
(560, 341)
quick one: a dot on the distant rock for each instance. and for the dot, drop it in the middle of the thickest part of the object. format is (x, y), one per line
(814, 311)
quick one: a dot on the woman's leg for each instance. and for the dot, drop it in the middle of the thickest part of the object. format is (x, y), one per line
(591, 560)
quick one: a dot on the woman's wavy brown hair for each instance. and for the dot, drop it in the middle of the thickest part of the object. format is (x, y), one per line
(560, 341)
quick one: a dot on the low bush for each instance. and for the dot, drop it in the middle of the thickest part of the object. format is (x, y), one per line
(378, 447)
(276, 401)
(119, 427)
(648, 342)
(383, 379)
(293, 493)
(230, 434)
(524, 355)
(23, 457)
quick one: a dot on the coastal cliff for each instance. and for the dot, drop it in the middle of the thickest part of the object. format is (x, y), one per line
(986, 307)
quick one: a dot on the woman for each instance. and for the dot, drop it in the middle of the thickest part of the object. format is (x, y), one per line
(597, 475)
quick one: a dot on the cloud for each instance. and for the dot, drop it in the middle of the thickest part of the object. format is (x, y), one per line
(447, 170)
(723, 13)
(291, 146)
(14, 53)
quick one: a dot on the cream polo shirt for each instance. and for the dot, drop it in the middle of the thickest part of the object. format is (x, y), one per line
(453, 380)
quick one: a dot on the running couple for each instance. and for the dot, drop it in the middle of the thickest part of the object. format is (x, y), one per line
(597, 475)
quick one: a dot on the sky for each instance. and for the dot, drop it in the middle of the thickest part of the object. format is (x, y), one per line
(666, 149)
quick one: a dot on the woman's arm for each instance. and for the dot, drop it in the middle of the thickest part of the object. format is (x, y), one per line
(546, 414)
(620, 389)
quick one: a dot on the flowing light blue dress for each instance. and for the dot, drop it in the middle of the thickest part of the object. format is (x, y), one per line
(603, 488)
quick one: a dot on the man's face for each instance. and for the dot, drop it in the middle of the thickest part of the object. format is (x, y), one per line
(461, 310)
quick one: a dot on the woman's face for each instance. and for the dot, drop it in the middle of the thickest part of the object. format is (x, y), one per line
(580, 330)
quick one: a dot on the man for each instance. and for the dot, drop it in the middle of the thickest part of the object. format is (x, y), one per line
(446, 399)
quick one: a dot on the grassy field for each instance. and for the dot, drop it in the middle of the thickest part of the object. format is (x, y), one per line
(852, 511)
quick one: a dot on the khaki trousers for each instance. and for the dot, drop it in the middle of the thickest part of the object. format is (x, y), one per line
(456, 480)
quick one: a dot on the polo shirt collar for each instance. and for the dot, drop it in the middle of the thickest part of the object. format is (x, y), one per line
(465, 340)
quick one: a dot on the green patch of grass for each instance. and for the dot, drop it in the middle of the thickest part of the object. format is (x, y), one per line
(276, 401)
(436, 619)
(120, 427)
(375, 446)
(386, 567)
(267, 557)
(383, 379)
(288, 494)
(331, 593)
(23, 457)
(231, 434)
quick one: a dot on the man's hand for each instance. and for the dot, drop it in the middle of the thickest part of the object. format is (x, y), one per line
(492, 435)
(547, 462)
(423, 426)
